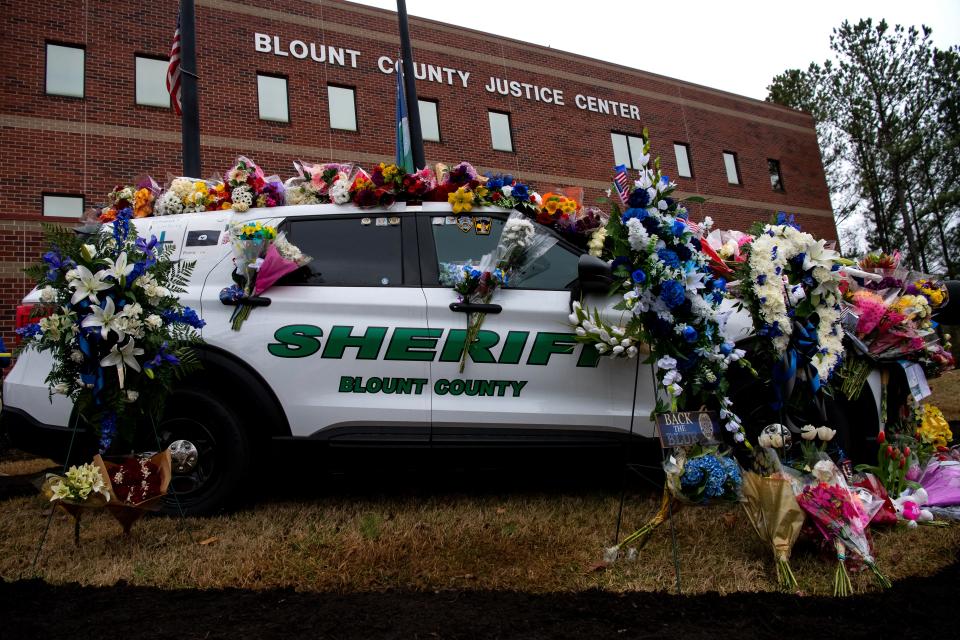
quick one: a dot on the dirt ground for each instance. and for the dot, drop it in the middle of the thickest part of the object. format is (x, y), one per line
(35, 609)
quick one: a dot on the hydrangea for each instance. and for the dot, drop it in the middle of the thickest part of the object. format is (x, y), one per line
(673, 293)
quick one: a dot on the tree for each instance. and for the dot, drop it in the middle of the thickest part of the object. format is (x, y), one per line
(886, 109)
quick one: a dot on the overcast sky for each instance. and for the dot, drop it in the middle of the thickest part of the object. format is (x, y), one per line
(734, 45)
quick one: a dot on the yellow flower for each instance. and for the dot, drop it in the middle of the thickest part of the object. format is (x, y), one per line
(226, 205)
(934, 428)
(200, 187)
(481, 191)
(461, 199)
(568, 206)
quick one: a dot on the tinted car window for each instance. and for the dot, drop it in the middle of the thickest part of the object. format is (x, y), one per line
(459, 245)
(360, 251)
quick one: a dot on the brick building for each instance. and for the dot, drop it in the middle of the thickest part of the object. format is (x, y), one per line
(83, 110)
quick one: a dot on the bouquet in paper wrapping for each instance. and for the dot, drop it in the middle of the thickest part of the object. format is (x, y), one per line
(313, 183)
(840, 515)
(774, 513)
(250, 188)
(521, 243)
(139, 197)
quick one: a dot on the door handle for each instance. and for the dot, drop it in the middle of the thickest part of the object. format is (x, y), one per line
(475, 307)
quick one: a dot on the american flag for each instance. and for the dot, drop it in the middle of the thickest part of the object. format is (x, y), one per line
(173, 71)
(620, 182)
(694, 227)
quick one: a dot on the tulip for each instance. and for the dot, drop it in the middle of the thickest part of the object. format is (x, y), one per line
(903, 462)
(881, 437)
(826, 433)
(889, 451)
(906, 451)
(808, 432)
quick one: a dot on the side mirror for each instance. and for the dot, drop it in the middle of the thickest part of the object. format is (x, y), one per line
(593, 276)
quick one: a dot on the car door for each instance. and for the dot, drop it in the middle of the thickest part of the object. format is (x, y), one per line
(527, 380)
(321, 343)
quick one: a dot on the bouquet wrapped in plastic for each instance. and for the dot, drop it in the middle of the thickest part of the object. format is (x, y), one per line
(312, 183)
(139, 197)
(250, 244)
(521, 243)
(840, 516)
(282, 257)
(249, 187)
(941, 480)
(773, 511)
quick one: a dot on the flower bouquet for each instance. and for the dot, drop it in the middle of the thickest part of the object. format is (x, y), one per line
(250, 243)
(83, 487)
(520, 244)
(699, 476)
(137, 485)
(282, 257)
(941, 480)
(250, 188)
(313, 182)
(140, 197)
(774, 513)
(840, 516)
(366, 193)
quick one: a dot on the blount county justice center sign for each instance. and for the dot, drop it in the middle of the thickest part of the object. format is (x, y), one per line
(343, 57)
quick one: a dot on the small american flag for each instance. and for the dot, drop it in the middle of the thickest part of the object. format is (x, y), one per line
(620, 182)
(693, 226)
(173, 71)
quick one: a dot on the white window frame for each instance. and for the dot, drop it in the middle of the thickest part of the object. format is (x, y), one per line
(436, 117)
(631, 145)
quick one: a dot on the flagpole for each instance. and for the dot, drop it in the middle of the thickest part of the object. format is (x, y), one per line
(190, 117)
(413, 106)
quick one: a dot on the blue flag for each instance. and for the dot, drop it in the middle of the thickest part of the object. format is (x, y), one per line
(404, 150)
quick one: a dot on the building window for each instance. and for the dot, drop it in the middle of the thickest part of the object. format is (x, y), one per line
(627, 150)
(151, 85)
(776, 180)
(500, 135)
(343, 109)
(65, 70)
(62, 206)
(429, 120)
(730, 163)
(272, 94)
(682, 151)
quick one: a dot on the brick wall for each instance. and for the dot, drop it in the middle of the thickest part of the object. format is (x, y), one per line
(85, 146)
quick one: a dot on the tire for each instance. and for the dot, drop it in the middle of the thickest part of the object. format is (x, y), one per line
(224, 452)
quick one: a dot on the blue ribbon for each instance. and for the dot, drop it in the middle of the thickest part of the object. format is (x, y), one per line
(803, 347)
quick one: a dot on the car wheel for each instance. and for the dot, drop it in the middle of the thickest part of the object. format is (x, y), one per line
(211, 453)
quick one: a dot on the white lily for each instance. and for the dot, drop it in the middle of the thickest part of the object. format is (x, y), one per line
(104, 317)
(119, 269)
(818, 255)
(88, 285)
(123, 357)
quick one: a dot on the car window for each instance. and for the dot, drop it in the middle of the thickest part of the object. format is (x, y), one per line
(361, 251)
(459, 243)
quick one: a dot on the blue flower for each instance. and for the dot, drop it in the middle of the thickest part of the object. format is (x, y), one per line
(678, 228)
(651, 224)
(163, 355)
(639, 198)
(188, 317)
(639, 276)
(621, 261)
(520, 192)
(683, 252)
(28, 331)
(773, 252)
(726, 348)
(790, 221)
(761, 279)
(669, 258)
(672, 293)
(108, 431)
(690, 334)
(121, 225)
(639, 214)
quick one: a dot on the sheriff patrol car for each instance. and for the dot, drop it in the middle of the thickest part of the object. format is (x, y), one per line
(362, 347)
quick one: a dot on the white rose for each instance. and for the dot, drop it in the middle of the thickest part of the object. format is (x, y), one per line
(48, 295)
(132, 395)
(823, 470)
(76, 356)
(154, 321)
(506, 190)
(61, 388)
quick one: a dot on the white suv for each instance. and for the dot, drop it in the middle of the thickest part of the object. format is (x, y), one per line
(363, 347)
